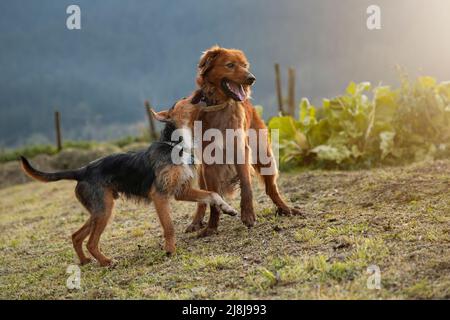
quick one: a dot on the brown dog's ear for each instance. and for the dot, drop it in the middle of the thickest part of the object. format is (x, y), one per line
(207, 58)
(162, 116)
(196, 97)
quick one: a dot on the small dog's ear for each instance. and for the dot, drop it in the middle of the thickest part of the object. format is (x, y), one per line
(197, 97)
(162, 116)
(207, 58)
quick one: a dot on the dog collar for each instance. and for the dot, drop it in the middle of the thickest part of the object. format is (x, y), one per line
(190, 159)
(201, 101)
(212, 108)
(170, 143)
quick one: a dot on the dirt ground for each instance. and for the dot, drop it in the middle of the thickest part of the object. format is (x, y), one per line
(395, 220)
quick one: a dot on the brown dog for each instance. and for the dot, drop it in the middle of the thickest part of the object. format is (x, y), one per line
(224, 79)
(150, 174)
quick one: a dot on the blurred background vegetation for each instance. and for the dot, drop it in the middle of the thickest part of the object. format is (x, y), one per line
(129, 51)
(362, 128)
(99, 76)
(369, 126)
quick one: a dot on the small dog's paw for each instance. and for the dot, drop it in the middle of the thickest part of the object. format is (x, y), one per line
(195, 227)
(226, 209)
(206, 232)
(222, 206)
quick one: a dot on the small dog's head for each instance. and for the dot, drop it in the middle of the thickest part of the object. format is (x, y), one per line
(227, 70)
(182, 114)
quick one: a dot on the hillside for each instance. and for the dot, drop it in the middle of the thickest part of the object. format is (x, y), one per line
(99, 76)
(395, 218)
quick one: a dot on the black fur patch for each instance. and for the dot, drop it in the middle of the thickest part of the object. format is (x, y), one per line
(131, 173)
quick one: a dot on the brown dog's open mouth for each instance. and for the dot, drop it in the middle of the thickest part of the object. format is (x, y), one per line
(233, 90)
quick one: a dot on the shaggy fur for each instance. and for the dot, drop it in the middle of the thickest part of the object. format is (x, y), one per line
(149, 174)
(224, 77)
(131, 174)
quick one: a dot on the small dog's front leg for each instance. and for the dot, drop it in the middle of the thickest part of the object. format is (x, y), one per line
(207, 197)
(220, 204)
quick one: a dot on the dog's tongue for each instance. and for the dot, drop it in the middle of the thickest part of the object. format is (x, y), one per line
(238, 90)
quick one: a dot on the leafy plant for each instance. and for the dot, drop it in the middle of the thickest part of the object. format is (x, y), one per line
(411, 123)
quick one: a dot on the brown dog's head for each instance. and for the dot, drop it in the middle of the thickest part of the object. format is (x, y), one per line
(227, 71)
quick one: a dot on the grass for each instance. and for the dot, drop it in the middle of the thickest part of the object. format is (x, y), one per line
(29, 151)
(37, 149)
(394, 218)
(48, 149)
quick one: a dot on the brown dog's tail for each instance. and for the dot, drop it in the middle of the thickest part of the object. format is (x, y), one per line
(49, 176)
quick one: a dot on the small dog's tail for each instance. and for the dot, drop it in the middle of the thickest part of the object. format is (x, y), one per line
(49, 176)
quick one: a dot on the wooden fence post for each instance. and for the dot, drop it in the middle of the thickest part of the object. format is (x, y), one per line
(58, 131)
(291, 92)
(278, 88)
(151, 121)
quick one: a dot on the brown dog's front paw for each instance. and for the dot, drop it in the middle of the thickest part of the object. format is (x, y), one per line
(85, 261)
(297, 212)
(105, 262)
(289, 211)
(170, 249)
(169, 254)
(248, 219)
(194, 227)
(283, 211)
(206, 232)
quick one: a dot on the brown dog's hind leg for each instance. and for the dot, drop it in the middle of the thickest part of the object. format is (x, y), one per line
(162, 207)
(274, 194)
(197, 222)
(270, 180)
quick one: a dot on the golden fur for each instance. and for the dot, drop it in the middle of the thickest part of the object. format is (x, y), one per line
(213, 69)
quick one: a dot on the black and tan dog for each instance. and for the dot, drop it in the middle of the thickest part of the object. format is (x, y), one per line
(150, 174)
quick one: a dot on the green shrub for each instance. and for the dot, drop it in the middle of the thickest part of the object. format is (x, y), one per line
(395, 126)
